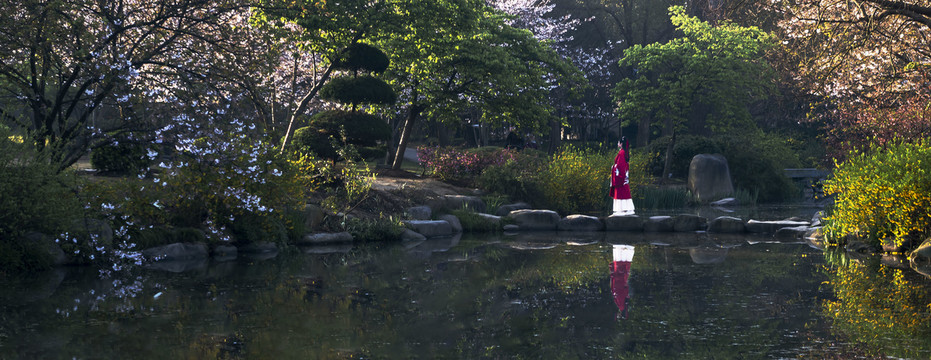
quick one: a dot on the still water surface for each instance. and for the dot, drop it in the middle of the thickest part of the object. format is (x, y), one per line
(532, 295)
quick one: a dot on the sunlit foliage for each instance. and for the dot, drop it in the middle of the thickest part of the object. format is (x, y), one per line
(884, 195)
(882, 307)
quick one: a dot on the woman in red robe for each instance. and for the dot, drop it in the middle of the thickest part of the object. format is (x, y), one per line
(620, 181)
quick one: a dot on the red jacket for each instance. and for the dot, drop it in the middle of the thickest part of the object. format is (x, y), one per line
(620, 182)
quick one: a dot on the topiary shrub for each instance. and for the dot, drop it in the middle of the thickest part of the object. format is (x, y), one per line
(121, 158)
(361, 129)
(361, 56)
(363, 89)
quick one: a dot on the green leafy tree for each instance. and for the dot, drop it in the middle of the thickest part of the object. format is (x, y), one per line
(466, 56)
(700, 82)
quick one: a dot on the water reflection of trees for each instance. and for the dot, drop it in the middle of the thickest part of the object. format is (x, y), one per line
(887, 309)
(480, 299)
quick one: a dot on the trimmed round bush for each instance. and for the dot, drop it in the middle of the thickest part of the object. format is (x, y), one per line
(361, 129)
(363, 57)
(364, 89)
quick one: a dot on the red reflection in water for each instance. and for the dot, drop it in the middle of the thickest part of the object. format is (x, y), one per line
(623, 255)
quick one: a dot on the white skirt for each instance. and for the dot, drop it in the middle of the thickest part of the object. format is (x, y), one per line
(623, 206)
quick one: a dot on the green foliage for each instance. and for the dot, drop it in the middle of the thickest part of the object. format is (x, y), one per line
(34, 196)
(252, 227)
(360, 129)
(755, 160)
(884, 195)
(757, 163)
(652, 197)
(473, 222)
(686, 147)
(356, 90)
(122, 158)
(247, 195)
(515, 178)
(360, 56)
(577, 180)
(708, 75)
(380, 229)
(880, 307)
(164, 235)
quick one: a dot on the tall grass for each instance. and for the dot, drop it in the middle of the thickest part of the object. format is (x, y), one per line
(652, 197)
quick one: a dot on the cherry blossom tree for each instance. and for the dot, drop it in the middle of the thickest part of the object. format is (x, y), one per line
(66, 62)
(866, 64)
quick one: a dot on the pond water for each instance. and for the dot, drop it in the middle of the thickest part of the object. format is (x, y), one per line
(530, 295)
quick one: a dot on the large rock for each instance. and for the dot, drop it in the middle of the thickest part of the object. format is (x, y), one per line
(453, 222)
(325, 238)
(506, 209)
(580, 223)
(770, 227)
(624, 223)
(689, 222)
(491, 219)
(710, 177)
(176, 252)
(422, 212)
(659, 224)
(411, 235)
(430, 228)
(727, 225)
(793, 233)
(313, 216)
(535, 219)
(456, 202)
(259, 247)
(922, 254)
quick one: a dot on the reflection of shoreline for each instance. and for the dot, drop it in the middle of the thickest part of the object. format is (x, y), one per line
(622, 256)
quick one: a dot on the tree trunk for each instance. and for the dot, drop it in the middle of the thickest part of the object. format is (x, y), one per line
(643, 132)
(555, 136)
(412, 115)
(667, 165)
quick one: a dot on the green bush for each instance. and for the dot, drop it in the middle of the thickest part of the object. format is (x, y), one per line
(360, 129)
(882, 195)
(250, 227)
(687, 146)
(517, 177)
(473, 222)
(577, 180)
(756, 161)
(757, 165)
(122, 158)
(363, 89)
(361, 56)
(33, 197)
(381, 229)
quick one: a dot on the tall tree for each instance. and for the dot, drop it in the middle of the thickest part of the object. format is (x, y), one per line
(323, 31)
(458, 54)
(866, 64)
(63, 59)
(702, 81)
(861, 49)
